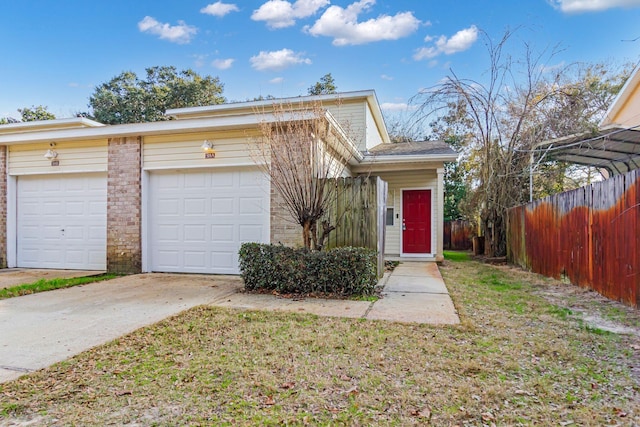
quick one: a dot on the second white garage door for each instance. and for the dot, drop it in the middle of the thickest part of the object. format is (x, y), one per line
(198, 219)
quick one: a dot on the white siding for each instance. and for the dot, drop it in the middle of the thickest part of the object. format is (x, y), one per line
(399, 180)
(77, 156)
(352, 118)
(183, 151)
(373, 136)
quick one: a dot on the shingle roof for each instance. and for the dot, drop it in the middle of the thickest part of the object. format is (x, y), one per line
(412, 148)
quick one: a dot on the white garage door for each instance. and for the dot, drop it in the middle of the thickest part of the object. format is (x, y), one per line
(62, 221)
(198, 219)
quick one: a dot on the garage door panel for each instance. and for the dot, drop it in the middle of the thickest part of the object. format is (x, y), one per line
(193, 206)
(221, 233)
(195, 233)
(224, 260)
(215, 213)
(222, 206)
(61, 221)
(249, 233)
(223, 180)
(168, 207)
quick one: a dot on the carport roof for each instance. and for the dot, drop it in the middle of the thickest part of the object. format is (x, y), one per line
(613, 147)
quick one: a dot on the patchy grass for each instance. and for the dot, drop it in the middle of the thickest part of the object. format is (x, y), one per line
(514, 360)
(456, 256)
(44, 285)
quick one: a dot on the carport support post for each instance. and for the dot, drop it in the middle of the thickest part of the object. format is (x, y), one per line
(124, 249)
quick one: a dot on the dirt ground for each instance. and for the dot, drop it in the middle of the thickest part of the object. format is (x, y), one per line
(593, 309)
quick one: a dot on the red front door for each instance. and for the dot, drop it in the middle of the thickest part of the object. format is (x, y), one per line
(416, 221)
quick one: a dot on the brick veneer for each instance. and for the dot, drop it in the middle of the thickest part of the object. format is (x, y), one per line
(3, 207)
(283, 228)
(124, 247)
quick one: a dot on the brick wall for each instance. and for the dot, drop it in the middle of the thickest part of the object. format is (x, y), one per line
(283, 228)
(3, 207)
(124, 247)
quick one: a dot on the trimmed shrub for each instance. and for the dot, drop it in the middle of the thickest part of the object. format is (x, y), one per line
(342, 271)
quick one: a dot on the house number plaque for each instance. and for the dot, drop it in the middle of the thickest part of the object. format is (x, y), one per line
(209, 155)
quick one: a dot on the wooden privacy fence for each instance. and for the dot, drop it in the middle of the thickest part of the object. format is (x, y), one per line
(590, 236)
(358, 212)
(457, 235)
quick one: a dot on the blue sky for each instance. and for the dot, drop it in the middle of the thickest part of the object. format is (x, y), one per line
(54, 53)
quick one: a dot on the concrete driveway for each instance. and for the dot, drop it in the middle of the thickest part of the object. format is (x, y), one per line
(41, 329)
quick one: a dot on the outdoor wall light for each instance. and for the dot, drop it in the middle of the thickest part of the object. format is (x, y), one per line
(209, 151)
(50, 154)
(207, 146)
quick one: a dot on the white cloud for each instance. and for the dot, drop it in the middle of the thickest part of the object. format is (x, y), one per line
(222, 64)
(395, 106)
(578, 6)
(278, 60)
(459, 42)
(282, 14)
(386, 77)
(276, 80)
(180, 33)
(219, 9)
(342, 24)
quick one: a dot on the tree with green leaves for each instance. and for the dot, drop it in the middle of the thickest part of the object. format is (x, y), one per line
(325, 86)
(127, 98)
(35, 113)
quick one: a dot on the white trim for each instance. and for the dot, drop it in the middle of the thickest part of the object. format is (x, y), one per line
(12, 221)
(431, 254)
(621, 98)
(54, 171)
(201, 166)
(144, 217)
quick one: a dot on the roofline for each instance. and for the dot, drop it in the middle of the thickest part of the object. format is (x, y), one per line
(621, 97)
(268, 102)
(53, 124)
(408, 158)
(138, 129)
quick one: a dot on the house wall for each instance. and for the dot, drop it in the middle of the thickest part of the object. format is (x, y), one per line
(124, 242)
(627, 115)
(413, 179)
(373, 135)
(76, 156)
(232, 148)
(352, 118)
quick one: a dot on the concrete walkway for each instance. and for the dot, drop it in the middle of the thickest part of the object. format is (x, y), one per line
(41, 329)
(414, 292)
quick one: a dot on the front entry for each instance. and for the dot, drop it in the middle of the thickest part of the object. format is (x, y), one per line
(416, 221)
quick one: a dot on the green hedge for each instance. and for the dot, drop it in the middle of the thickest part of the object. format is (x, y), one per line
(343, 271)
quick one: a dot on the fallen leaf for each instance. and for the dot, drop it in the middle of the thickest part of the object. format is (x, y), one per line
(269, 401)
(422, 413)
(288, 385)
(488, 416)
(344, 377)
(123, 392)
(352, 391)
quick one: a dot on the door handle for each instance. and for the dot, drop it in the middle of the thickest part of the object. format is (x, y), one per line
(404, 227)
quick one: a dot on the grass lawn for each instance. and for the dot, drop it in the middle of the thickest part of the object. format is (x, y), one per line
(44, 285)
(516, 359)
